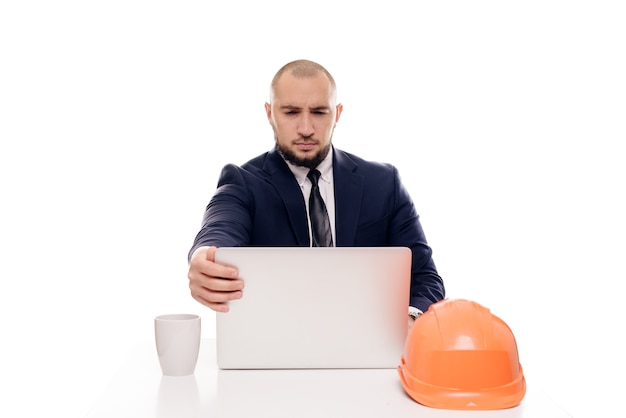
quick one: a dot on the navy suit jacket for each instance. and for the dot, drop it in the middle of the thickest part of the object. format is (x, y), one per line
(261, 204)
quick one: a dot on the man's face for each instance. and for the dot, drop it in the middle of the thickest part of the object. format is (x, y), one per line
(303, 115)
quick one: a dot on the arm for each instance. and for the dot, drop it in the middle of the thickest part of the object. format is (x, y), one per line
(227, 220)
(405, 229)
(226, 223)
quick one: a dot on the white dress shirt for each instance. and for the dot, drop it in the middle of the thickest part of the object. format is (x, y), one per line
(325, 184)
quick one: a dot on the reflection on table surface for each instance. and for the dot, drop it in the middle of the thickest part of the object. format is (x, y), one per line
(140, 390)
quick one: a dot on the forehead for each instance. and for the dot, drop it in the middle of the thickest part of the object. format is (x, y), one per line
(310, 91)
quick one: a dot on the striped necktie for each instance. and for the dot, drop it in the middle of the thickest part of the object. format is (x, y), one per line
(320, 223)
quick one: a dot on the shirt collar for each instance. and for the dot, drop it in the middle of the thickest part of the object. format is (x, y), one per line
(325, 168)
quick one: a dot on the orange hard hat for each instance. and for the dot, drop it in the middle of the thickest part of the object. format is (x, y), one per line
(458, 355)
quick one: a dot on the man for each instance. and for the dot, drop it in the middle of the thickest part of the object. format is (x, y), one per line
(265, 202)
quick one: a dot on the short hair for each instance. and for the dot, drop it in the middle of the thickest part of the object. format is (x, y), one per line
(302, 68)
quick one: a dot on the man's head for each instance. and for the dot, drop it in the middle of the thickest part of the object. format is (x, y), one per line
(303, 112)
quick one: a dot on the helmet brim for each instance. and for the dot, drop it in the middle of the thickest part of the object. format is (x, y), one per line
(500, 397)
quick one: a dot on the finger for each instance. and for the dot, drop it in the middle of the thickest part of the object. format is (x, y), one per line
(219, 284)
(205, 263)
(203, 279)
(215, 289)
(214, 296)
(210, 254)
(200, 269)
(218, 270)
(214, 299)
(218, 307)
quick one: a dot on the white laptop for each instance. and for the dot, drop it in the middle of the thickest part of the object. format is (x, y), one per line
(315, 308)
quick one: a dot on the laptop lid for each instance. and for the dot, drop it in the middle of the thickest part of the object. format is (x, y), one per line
(308, 308)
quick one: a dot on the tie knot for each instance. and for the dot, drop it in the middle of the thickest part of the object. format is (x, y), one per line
(314, 175)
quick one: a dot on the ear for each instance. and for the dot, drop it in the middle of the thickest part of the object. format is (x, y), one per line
(268, 111)
(339, 110)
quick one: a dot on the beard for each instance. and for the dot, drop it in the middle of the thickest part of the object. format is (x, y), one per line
(309, 162)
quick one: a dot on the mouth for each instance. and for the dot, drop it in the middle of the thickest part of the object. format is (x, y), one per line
(306, 145)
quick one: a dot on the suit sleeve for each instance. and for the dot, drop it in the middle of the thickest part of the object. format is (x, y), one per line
(227, 221)
(406, 230)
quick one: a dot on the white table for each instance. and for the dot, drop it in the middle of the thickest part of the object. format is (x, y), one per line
(140, 390)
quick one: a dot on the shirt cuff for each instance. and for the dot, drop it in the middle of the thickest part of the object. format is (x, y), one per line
(414, 312)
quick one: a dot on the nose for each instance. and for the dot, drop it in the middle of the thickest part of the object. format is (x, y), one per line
(305, 125)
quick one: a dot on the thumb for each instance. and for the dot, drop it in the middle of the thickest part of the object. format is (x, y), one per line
(210, 254)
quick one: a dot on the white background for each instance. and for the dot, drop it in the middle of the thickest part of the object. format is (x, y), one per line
(506, 120)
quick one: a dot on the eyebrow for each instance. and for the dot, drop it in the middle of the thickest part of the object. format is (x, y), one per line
(317, 108)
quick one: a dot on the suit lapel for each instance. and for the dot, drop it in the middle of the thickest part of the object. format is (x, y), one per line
(287, 187)
(348, 196)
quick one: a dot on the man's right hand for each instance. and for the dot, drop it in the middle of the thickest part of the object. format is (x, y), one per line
(213, 284)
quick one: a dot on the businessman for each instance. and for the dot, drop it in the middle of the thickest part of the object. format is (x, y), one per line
(274, 199)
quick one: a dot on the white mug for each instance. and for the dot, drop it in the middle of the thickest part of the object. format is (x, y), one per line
(177, 339)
